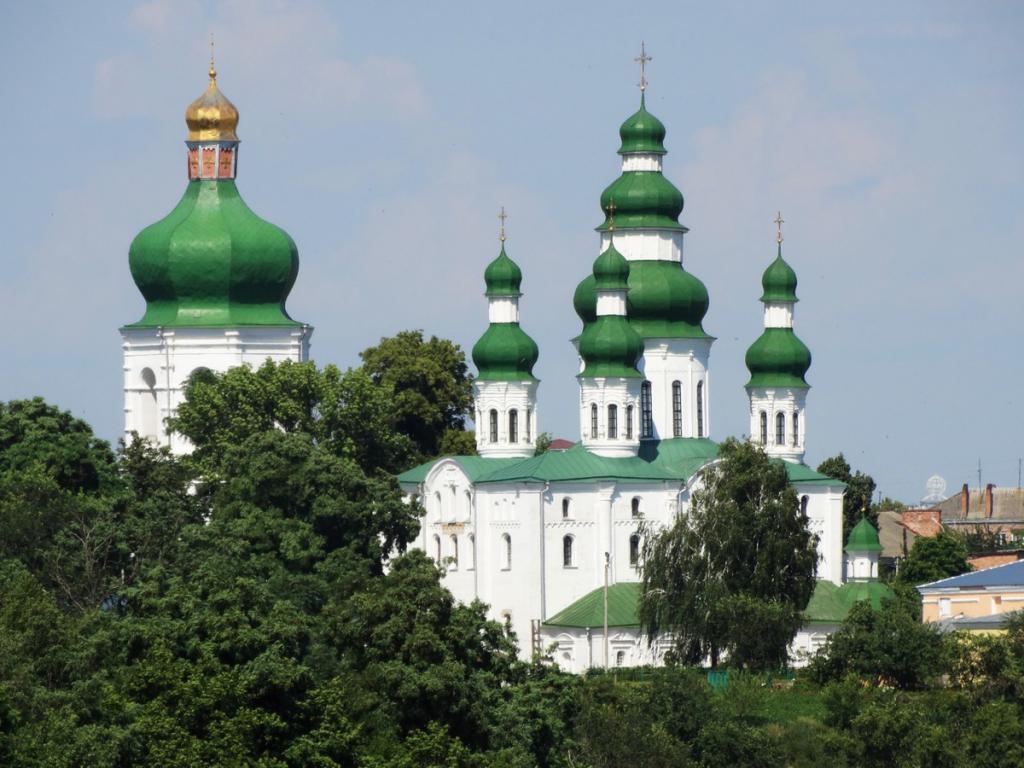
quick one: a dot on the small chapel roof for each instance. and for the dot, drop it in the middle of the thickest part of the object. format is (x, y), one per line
(588, 611)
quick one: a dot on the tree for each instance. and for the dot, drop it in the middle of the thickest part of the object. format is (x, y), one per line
(734, 574)
(934, 558)
(428, 385)
(543, 444)
(860, 489)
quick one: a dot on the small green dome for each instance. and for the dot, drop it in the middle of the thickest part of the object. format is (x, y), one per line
(503, 276)
(213, 262)
(642, 133)
(610, 347)
(643, 199)
(584, 300)
(863, 538)
(779, 281)
(505, 353)
(778, 359)
(611, 270)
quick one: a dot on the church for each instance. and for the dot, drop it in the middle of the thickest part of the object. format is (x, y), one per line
(537, 537)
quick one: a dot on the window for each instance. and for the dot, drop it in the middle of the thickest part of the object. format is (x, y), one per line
(780, 428)
(472, 551)
(506, 543)
(646, 417)
(629, 422)
(634, 549)
(593, 420)
(803, 505)
(565, 509)
(944, 606)
(700, 409)
(635, 507)
(513, 426)
(437, 503)
(677, 409)
(764, 428)
(494, 426)
(149, 417)
(455, 551)
(796, 429)
(613, 422)
(567, 561)
(526, 426)
(620, 658)
(437, 548)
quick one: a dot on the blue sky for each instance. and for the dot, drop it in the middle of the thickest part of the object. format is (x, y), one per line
(385, 136)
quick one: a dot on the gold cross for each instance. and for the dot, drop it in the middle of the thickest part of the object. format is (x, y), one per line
(611, 215)
(643, 58)
(213, 69)
(503, 216)
(779, 221)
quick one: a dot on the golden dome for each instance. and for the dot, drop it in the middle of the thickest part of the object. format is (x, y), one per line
(212, 117)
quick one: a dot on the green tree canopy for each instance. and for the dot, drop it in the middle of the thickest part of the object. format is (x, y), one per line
(733, 574)
(429, 386)
(933, 558)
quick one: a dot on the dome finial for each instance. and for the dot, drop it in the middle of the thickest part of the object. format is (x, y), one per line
(611, 216)
(213, 69)
(643, 58)
(779, 221)
(503, 216)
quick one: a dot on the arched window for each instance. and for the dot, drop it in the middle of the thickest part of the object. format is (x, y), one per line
(700, 409)
(565, 508)
(567, 561)
(149, 416)
(635, 507)
(506, 543)
(455, 551)
(437, 503)
(437, 548)
(803, 505)
(634, 549)
(593, 420)
(620, 658)
(513, 426)
(646, 416)
(494, 426)
(764, 428)
(629, 422)
(796, 429)
(613, 422)
(472, 552)
(677, 409)
(526, 426)
(780, 428)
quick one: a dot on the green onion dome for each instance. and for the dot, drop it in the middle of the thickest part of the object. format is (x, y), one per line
(778, 359)
(213, 262)
(584, 300)
(505, 353)
(643, 200)
(503, 276)
(609, 346)
(779, 281)
(642, 133)
(863, 538)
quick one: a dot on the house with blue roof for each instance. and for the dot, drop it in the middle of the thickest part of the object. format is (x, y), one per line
(978, 601)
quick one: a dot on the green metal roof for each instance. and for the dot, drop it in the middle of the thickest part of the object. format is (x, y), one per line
(779, 281)
(475, 467)
(643, 200)
(801, 473)
(611, 270)
(642, 132)
(213, 262)
(588, 611)
(863, 538)
(778, 359)
(611, 348)
(505, 353)
(830, 604)
(577, 463)
(503, 276)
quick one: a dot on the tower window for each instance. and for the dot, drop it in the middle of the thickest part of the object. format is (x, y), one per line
(700, 409)
(526, 426)
(613, 422)
(646, 416)
(796, 429)
(506, 543)
(629, 422)
(567, 561)
(513, 426)
(494, 426)
(455, 551)
(472, 551)
(803, 505)
(437, 548)
(565, 508)
(764, 428)
(634, 549)
(677, 409)
(593, 420)
(780, 428)
(635, 507)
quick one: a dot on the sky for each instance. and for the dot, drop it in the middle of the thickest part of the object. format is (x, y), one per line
(385, 137)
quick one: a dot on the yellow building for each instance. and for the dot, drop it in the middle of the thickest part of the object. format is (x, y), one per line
(978, 601)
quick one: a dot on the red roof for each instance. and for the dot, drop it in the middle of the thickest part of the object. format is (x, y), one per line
(560, 444)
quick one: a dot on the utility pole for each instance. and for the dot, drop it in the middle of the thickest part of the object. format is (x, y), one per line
(979, 473)
(606, 567)
(1019, 461)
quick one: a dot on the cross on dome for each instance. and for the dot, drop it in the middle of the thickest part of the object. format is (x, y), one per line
(503, 216)
(213, 69)
(779, 221)
(643, 58)
(611, 215)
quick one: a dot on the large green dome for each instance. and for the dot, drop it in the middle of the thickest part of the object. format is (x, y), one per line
(505, 353)
(503, 276)
(213, 262)
(779, 281)
(642, 133)
(778, 359)
(643, 199)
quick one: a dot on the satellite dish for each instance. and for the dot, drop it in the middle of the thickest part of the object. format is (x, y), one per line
(935, 488)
